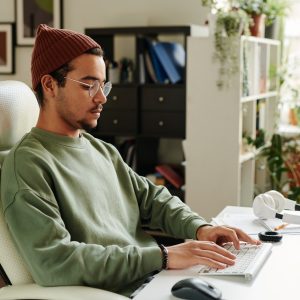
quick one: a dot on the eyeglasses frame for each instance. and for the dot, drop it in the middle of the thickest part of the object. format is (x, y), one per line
(107, 85)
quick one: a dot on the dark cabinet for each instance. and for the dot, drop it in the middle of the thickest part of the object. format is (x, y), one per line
(141, 109)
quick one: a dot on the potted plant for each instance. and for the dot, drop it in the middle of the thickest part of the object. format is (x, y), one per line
(275, 162)
(230, 23)
(283, 166)
(291, 154)
(236, 17)
(256, 9)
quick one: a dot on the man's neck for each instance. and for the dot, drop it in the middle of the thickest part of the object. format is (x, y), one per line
(56, 127)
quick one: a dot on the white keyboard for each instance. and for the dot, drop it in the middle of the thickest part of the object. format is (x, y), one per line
(249, 260)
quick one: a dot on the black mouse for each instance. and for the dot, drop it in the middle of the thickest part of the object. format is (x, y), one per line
(195, 289)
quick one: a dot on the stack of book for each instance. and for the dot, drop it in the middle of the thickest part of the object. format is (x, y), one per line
(171, 175)
(164, 62)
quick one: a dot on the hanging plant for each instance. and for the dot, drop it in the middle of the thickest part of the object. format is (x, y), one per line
(229, 27)
(231, 23)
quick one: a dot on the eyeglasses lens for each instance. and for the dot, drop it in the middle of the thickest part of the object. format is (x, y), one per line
(107, 88)
(95, 88)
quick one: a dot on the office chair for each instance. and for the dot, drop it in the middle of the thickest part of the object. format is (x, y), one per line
(18, 114)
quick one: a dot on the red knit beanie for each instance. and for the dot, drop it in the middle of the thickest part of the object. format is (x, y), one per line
(55, 47)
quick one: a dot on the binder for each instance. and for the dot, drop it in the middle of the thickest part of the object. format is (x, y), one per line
(161, 75)
(142, 74)
(149, 67)
(172, 58)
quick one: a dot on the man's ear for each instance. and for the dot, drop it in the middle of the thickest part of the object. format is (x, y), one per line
(49, 85)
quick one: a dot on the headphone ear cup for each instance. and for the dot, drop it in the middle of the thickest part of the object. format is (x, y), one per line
(257, 207)
(279, 200)
(264, 207)
(269, 201)
(270, 236)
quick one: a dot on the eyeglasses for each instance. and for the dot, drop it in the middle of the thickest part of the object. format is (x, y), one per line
(94, 88)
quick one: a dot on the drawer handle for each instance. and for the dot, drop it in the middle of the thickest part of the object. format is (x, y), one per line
(115, 121)
(115, 98)
(161, 99)
(161, 123)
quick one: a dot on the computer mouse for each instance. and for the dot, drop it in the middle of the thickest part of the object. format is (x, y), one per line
(195, 289)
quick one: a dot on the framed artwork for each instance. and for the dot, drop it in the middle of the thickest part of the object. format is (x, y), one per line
(31, 13)
(6, 48)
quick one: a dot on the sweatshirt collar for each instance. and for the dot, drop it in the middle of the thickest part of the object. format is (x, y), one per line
(58, 138)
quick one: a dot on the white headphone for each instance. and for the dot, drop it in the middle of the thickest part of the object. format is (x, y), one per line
(270, 204)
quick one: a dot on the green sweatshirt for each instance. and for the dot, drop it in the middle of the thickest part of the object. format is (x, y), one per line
(75, 209)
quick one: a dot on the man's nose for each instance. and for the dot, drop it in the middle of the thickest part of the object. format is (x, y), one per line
(100, 97)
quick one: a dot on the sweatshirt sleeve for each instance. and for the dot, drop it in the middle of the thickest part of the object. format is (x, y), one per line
(55, 259)
(160, 210)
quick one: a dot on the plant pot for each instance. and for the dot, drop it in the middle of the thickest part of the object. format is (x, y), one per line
(258, 27)
(270, 31)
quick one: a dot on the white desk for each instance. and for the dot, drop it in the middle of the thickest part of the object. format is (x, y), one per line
(278, 279)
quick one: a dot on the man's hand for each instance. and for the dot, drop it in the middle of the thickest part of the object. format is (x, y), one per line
(207, 250)
(224, 234)
(192, 253)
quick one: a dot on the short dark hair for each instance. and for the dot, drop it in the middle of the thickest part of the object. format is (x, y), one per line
(60, 74)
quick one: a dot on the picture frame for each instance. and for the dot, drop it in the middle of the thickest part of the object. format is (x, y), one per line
(31, 13)
(7, 59)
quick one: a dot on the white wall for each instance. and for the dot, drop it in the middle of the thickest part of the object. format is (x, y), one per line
(7, 13)
(80, 14)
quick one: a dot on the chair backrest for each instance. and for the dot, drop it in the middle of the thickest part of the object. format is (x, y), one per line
(18, 114)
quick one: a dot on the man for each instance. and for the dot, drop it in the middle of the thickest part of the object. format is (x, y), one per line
(73, 207)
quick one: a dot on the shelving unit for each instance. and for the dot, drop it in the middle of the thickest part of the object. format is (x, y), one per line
(219, 171)
(141, 109)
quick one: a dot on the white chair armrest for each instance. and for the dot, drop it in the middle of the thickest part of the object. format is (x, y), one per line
(34, 291)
